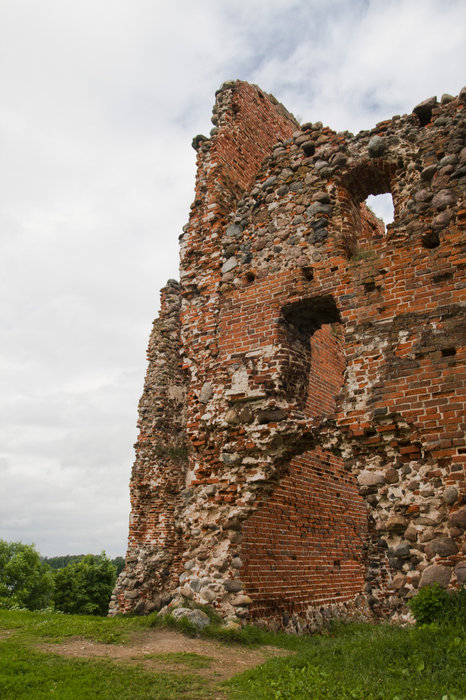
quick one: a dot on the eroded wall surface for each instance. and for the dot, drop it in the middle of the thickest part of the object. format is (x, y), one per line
(301, 449)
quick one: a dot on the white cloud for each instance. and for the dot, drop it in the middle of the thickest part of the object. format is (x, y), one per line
(370, 60)
(100, 101)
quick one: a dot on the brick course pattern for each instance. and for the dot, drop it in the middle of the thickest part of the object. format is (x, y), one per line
(302, 445)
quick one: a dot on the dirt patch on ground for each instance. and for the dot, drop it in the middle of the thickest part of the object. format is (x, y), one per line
(166, 650)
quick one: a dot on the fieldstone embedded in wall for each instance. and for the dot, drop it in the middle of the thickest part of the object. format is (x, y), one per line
(301, 449)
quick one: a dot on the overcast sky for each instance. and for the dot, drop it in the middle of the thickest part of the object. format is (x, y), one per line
(100, 100)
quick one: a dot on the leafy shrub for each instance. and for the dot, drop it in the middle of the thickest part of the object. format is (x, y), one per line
(434, 604)
(25, 582)
(85, 587)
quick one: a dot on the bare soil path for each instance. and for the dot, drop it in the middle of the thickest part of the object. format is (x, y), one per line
(166, 650)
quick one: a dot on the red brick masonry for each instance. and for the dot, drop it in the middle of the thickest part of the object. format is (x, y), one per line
(302, 445)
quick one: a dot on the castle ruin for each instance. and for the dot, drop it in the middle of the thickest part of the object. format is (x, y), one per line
(302, 445)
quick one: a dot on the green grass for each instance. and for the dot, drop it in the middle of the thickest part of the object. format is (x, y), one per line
(360, 254)
(363, 662)
(29, 674)
(357, 662)
(248, 635)
(54, 627)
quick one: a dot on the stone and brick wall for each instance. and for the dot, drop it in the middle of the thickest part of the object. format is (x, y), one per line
(302, 445)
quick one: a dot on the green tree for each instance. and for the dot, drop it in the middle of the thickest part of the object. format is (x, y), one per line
(119, 562)
(24, 579)
(61, 561)
(85, 587)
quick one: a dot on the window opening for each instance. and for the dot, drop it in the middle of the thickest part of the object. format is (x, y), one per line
(311, 368)
(382, 206)
(366, 184)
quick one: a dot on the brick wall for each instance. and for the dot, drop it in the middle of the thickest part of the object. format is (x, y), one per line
(323, 360)
(305, 545)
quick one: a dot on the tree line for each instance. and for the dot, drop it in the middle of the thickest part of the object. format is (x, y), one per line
(61, 562)
(79, 584)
